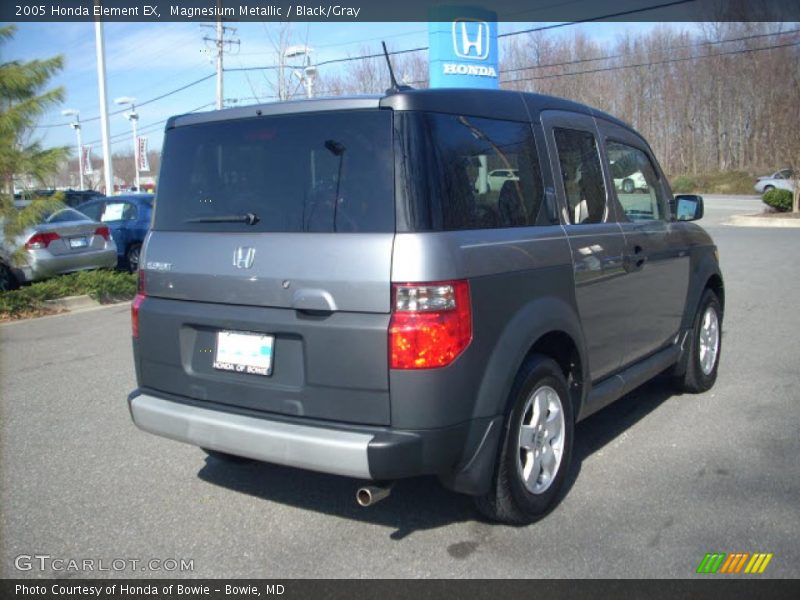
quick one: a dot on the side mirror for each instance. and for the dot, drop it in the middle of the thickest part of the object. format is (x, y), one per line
(688, 207)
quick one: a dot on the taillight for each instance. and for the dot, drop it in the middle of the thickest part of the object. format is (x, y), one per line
(136, 304)
(41, 240)
(104, 232)
(431, 324)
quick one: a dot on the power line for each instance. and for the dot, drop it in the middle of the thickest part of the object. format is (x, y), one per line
(679, 47)
(144, 103)
(593, 19)
(509, 34)
(650, 64)
(121, 137)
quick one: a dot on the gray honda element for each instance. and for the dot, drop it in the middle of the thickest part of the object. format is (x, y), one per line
(339, 285)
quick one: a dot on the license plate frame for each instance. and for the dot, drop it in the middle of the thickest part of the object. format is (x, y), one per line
(246, 352)
(78, 242)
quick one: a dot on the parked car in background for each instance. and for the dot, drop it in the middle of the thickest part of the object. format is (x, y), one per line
(65, 241)
(780, 180)
(128, 218)
(498, 177)
(71, 197)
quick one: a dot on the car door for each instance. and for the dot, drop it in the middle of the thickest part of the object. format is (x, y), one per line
(657, 259)
(594, 236)
(120, 215)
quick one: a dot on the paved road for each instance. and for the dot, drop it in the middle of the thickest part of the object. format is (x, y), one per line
(660, 479)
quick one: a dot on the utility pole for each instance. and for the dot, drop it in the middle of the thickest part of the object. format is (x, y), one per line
(220, 42)
(101, 86)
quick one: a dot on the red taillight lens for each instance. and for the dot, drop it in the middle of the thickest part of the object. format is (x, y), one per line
(104, 232)
(136, 304)
(431, 324)
(41, 240)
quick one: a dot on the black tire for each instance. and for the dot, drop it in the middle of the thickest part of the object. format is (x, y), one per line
(695, 378)
(225, 457)
(7, 280)
(628, 187)
(510, 500)
(768, 188)
(132, 257)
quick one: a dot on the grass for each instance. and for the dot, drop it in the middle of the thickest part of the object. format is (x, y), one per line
(104, 286)
(725, 182)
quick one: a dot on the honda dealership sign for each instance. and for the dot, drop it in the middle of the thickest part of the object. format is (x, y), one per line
(463, 48)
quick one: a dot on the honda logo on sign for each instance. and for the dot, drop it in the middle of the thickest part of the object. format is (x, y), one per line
(243, 257)
(471, 39)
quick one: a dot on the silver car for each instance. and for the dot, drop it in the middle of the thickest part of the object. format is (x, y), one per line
(780, 180)
(65, 241)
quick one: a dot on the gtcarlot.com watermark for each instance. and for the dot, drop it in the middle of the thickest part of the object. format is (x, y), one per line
(46, 562)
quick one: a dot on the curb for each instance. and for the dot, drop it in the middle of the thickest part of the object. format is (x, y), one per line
(72, 303)
(759, 221)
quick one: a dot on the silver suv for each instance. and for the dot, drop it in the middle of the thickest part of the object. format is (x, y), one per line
(326, 287)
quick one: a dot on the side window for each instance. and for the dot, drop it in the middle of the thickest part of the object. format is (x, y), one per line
(636, 182)
(582, 174)
(118, 211)
(93, 210)
(130, 212)
(485, 173)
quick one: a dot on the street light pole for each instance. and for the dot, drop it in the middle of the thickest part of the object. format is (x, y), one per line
(307, 72)
(132, 116)
(101, 87)
(76, 125)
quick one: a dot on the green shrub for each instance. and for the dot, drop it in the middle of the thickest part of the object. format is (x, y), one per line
(104, 286)
(723, 182)
(780, 200)
(683, 184)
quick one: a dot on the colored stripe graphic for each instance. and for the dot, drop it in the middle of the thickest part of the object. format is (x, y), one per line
(711, 562)
(759, 562)
(722, 563)
(735, 562)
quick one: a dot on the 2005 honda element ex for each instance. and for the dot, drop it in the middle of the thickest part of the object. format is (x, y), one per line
(336, 285)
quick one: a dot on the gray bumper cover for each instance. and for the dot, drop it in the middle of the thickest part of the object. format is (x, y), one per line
(315, 448)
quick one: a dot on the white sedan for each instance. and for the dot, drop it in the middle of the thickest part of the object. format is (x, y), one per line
(780, 180)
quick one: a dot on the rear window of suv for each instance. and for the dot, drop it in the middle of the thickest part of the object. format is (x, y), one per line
(317, 172)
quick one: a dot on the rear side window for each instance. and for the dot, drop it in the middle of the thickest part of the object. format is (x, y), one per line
(66, 215)
(319, 172)
(118, 211)
(582, 175)
(93, 211)
(462, 172)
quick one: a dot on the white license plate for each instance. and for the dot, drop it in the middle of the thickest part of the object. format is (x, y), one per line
(78, 242)
(244, 352)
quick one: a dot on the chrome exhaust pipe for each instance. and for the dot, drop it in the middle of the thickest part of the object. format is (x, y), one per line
(372, 494)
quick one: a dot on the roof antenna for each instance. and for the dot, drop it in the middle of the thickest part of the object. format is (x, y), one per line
(396, 87)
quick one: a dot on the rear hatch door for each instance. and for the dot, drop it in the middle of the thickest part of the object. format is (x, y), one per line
(267, 269)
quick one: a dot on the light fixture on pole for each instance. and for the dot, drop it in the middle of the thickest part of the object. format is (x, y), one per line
(76, 125)
(132, 116)
(307, 72)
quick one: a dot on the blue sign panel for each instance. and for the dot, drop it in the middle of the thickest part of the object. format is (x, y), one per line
(463, 47)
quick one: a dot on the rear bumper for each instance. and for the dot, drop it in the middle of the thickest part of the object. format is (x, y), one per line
(42, 265)
(362, 452)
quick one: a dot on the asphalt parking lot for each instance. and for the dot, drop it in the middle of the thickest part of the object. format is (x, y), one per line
(659, 480)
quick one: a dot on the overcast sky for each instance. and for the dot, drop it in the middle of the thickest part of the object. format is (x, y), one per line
(146, 60)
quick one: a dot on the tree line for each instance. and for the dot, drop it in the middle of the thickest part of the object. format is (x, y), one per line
(705, 104)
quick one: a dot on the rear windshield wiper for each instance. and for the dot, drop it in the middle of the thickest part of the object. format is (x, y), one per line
(248, 219)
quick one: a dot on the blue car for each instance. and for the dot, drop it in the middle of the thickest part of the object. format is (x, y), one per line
(128, 218)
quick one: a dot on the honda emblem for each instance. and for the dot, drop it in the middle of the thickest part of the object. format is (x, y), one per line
(243, 257)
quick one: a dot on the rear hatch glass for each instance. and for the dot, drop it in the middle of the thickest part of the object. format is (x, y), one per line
(322, 172)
